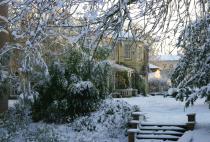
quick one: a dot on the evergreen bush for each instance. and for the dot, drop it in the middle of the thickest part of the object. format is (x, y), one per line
(16, 126)
(139, 83)
(4, 85)
(62, 98)
(122, 80)
(192, 73)
(101, 77)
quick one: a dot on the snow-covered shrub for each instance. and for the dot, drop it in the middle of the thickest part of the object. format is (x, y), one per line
(15, 125)
(100, 76)
(111, 117)
(82, 99)
(48, 105)
(96, 70)
(4, 80)
(62, 97)
(15, 118)
(4, 84)
(158, 85)
(172, 92)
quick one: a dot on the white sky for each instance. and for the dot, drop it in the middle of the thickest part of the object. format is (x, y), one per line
(169, 40)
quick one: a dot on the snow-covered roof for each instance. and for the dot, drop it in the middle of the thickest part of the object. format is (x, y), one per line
(152, 66)
(165, 58)
(120, 67)
(125, 34)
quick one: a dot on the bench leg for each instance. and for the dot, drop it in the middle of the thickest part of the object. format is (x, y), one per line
(131, 137)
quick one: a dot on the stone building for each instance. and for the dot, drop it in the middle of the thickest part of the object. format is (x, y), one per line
(167, 63)
(132, 55)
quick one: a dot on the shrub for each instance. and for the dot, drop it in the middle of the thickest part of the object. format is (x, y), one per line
(73, 62)
(157, 85)
(83, 98)
(122, 80)
(63, 97)
(111, 115)
(98, 72)
(48, 104)
(100, 77)
(138, 82)
(16, 126)
(4, 84)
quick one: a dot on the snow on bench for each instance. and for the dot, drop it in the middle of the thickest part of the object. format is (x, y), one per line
(162, 128)
(163, 124)
(133, 130)
(134, 121)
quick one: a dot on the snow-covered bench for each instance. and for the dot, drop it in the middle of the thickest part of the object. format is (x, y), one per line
(133, 128)
(159, 131)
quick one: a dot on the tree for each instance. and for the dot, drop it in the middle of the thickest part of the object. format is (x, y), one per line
(3, 40)
(192, 74)
(78, 21)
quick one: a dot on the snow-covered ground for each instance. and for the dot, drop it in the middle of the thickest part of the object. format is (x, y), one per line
(156, 109)
(108, 124)
(168, 110)
(12, 103)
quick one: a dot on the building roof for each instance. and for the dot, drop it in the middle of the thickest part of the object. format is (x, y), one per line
(119, 67)
(152, 66)
(127, 35)
(165, 58)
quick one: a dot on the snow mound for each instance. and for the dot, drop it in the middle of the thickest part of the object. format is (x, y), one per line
(172, 91)
(111, 114)
(109, 123)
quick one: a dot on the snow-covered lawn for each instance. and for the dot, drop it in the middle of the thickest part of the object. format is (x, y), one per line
(168, 110)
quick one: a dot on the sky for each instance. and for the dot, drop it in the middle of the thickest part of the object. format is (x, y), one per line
(166, 43)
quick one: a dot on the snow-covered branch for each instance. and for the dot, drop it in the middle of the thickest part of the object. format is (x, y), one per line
(37, 24)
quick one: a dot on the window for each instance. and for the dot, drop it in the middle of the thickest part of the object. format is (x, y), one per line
(164, 66)
(127, 51)
(141, 53)
(171, 66)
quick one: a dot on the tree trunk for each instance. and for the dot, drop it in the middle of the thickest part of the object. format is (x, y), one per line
(208, 17)
(3, 39)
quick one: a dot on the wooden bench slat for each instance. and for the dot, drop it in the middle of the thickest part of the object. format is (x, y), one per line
(163, 124)
(161, 132)
(164, 137)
